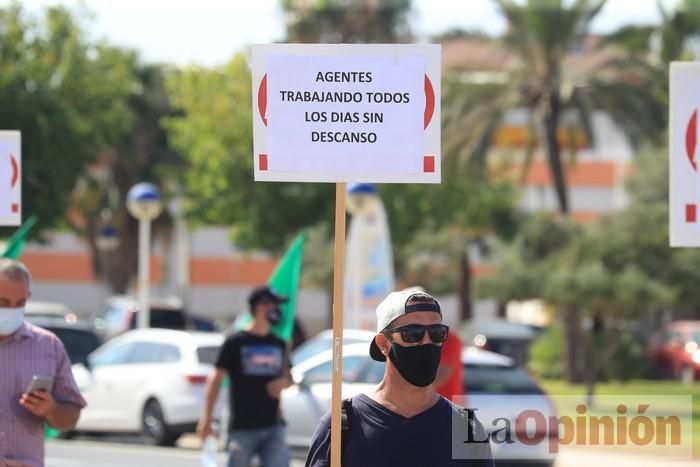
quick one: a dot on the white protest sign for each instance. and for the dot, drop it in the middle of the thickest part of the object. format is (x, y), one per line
(684, 196)
(10, 178)
(346, 113)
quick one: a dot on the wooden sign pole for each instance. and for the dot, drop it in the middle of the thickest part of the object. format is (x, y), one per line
(338, 302)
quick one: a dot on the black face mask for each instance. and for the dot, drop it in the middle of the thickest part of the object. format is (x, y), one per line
(274, 316)
(417, 364)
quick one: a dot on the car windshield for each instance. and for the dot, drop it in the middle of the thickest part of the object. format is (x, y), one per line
(165, 318)
(112, 319)
(207, 355)
(78, 343)
(168, 319)
(489, 379)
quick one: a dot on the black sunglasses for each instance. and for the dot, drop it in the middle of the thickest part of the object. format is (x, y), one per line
(414, 333)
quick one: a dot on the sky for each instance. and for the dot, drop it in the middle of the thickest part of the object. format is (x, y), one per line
(209, 32)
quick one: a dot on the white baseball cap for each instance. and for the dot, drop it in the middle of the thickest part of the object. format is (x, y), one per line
(395, 305)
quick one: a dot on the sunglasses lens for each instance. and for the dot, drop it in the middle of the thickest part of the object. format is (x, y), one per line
(438, 333)
(412, 333)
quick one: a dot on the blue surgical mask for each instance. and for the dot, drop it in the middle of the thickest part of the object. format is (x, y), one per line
(10, 320)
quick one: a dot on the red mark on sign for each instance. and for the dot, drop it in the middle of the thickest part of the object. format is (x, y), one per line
(429, 164)
(262, 99)
(263, 162)
(15, 208)
(15, 170)
(691, 138)
(691, 213)
(429, 102)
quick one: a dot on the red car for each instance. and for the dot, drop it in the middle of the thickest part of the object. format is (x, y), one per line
(675, 351)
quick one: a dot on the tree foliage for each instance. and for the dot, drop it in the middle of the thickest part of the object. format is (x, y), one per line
(68, 97)
(213, 131)
(140, 154)
(540, 36)
(347, 21)
(611, 272)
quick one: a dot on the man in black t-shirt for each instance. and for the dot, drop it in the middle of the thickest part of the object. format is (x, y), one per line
(404, 422)
(256, 362)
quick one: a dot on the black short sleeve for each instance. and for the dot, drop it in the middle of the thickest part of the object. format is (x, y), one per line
(319, 452)
(227, 355)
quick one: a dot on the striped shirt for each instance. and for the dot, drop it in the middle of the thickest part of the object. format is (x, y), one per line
(30, 351)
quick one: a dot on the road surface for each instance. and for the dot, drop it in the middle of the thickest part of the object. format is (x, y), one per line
(80, 453)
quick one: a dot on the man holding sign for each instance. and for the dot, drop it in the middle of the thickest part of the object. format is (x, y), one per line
(404, 422)
(365, 113)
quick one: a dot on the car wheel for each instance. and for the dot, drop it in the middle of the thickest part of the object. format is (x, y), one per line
(154, 428)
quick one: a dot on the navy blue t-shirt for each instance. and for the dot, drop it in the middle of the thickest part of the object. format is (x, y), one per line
(379, 437)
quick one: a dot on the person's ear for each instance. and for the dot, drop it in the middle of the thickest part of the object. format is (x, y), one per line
(383, 344)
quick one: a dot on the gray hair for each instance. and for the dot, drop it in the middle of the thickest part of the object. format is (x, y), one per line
(15, 271)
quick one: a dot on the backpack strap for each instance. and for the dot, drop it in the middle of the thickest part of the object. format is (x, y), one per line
(344, 424)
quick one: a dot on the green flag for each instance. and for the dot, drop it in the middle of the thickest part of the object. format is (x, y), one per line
(285, 281)
(15, 244)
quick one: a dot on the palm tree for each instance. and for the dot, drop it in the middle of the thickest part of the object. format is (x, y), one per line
(541, 35)
(141, 153)
(666, 42)
(347, 21)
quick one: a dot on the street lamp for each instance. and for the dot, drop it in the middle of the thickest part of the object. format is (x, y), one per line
(106, 239)
(144, 203)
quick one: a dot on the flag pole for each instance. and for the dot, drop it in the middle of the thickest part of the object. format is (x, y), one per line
(338, 302)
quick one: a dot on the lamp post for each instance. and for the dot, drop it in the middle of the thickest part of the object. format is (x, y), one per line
(106, 241)
(181, 257)
(144, 203)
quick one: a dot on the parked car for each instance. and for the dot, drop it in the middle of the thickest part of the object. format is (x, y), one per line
(120, 315)
(494, 386)
(148, 381)
(324, 341)
(501, 336)
(38, 309)
(674, 351)
(78, 338)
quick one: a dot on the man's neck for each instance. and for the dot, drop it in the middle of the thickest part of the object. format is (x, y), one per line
(399, 396)
(259, 327)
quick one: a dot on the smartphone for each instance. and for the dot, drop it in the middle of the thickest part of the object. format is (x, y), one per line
(40, 383)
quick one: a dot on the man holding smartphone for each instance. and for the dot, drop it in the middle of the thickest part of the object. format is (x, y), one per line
(36, 382)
